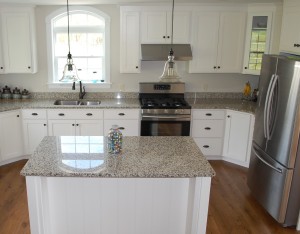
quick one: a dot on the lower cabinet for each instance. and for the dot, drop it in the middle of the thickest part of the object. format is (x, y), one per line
(223, 134)
(238, 137)
(34, 128)
(11, 139)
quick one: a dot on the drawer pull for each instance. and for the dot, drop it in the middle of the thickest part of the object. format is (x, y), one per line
(121, 114)
(34, 114)
(207, 128)
(61, 114)
(206, 146)
(89, 114)
(208, 114)
(121, 128)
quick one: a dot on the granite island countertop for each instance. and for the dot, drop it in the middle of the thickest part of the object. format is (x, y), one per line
(144, 157)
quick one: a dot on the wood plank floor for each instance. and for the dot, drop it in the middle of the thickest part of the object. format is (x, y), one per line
(232, 209)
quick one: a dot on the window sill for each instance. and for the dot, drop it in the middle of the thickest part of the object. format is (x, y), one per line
(68, 86)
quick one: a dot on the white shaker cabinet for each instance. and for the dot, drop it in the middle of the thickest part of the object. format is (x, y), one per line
(128, 121)
(34, 128)
(156, 26)
(130, 41)
(86, 122)
(238, 137)
(11, 141)
(217, 41)
(18, 40)
(290, 31)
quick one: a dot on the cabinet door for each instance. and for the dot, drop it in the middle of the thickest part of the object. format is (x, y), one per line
(128, 127)
(33, 132)
(154, 27)
(204, 42)
(290, 32)
(61, 127)
(257, 41)
(231, 42)
(18, 41)
(238, 137)
(89, 127)
(11, 141)
(181, 27)
(130, 42)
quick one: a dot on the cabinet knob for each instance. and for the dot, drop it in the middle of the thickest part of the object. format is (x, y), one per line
(45, 124)
(246, 67)
(207, 128)
(89, 114)
(215, 67)
(121, 128)
(1, 67)
(73, 124)
(137, 67)
(18, 116)
(77, 124)
(61, 114)
(206, 146)
(121, 114)
(168, 36)
(228, 116)
(219, 67)
(29, 67)
(164, 36)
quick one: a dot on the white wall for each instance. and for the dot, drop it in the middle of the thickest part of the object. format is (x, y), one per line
(128, 82)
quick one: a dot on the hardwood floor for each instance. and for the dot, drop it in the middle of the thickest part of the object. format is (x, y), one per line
(232, 209)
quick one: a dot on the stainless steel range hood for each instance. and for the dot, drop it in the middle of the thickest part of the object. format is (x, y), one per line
(159, 52)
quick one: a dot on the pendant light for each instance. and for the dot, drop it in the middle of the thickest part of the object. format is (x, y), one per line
(70, 71)
(170, 70)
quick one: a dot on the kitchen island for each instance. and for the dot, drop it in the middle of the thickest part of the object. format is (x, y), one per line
(155, 185)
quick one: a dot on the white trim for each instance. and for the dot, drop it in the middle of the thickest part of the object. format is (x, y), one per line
(95, 12)
(67, 86)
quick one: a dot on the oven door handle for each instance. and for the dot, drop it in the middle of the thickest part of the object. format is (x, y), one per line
(167, 117)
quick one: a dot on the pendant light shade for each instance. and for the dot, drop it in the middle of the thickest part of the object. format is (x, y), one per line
(70, 71)
(170, 70)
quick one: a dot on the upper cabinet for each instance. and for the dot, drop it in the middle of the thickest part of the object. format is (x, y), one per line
(290, 32)
(18, 40)
(130, 41)
(156, 27)
(257, 42)
(217, 41)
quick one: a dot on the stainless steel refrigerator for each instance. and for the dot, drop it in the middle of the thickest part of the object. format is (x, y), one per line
(274, 170)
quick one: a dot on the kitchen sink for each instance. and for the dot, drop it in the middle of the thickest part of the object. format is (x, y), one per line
(76, 103)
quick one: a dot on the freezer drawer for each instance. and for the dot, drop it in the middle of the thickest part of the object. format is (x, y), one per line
(269, 183)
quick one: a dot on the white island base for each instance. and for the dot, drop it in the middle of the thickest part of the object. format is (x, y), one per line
(61, 205)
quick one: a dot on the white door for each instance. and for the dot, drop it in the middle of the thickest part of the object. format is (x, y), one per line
(61, 127)
(16, 37)
(231, 42)
(11, 141)
(237, 138)
(89, 127)
(130, 42)
(204, 42)
(34, 131)
(154, 27)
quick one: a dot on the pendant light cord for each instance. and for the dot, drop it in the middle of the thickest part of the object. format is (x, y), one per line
(68, 26)
(172, 24)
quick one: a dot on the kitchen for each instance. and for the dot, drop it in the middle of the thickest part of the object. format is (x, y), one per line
(148, 71)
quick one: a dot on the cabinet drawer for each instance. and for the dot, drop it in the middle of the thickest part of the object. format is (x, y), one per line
(208, 128)
(122, 114)
(208, 114)
(75, 114)
(210, 146)
(34, 114)
(128, 127)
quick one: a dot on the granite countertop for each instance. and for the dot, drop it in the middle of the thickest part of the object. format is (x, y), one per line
(145, 157)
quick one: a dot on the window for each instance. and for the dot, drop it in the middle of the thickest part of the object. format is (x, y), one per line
(89, 40)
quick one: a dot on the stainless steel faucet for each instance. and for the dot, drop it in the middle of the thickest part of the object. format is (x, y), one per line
(81, 89)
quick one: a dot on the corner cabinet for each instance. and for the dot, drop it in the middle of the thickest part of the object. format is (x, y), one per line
(258, 36)
(290, 31)
(130, 41)
(217, 41)
(18, 40)
(156, 27)
(238, 137)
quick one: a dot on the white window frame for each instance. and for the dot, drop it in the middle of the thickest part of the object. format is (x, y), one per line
(50, 49)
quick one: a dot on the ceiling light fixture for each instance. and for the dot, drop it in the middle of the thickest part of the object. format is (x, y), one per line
(70, 71)
(170, 70)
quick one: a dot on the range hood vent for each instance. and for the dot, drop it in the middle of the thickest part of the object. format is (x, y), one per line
(159, 52)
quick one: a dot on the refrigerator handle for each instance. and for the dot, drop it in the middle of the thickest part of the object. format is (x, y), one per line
(266, 106)
(265, 162)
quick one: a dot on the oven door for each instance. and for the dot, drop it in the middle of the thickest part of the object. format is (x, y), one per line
(166, 125)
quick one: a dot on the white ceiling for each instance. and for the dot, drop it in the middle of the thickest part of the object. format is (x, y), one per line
(91, 2)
